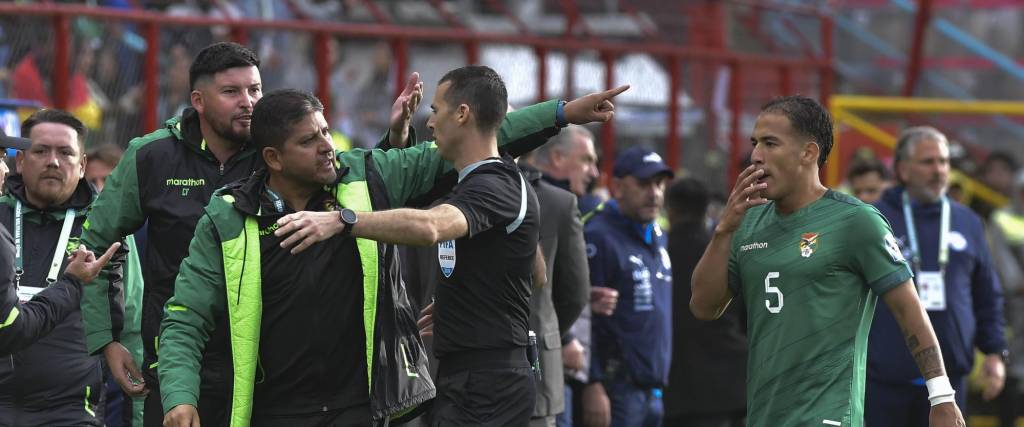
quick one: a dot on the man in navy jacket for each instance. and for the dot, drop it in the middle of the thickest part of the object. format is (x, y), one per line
(956, 284)
(626, 250)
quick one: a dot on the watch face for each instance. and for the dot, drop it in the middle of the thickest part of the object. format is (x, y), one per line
(348, 216)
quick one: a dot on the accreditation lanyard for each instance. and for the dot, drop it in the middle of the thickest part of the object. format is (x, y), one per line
(908, 216)
(58, 254)
(276, 200)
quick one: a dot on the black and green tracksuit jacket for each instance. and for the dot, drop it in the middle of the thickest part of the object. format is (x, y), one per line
(23, 324)
(221, 279)
(54, 381)
(165, 178)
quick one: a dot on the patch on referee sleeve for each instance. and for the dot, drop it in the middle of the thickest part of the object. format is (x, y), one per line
(446, 257)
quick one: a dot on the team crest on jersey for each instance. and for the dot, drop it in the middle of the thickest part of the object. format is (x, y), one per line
(808, 243)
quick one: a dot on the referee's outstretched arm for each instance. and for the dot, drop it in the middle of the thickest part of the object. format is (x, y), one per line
(710, 283)
(419, 227)
(413, 227)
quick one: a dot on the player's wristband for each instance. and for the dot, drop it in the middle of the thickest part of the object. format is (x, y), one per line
(940, 390)
(560, 119)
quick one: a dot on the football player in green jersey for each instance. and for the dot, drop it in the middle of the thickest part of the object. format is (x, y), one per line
(810, 263)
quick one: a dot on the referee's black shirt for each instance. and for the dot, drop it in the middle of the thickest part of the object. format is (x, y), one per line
(483, 301)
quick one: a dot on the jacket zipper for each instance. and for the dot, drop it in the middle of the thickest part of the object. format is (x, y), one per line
(221, 169)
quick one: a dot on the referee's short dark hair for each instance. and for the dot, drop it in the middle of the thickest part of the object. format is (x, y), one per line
(218, 57)
(54, 115)
(482, 89)
(808, 119)
(276, 113)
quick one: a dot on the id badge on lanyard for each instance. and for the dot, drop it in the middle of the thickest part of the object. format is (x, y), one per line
(931, 285)
(26, 293)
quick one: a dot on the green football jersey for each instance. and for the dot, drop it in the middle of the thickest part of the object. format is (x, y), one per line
(810, 281)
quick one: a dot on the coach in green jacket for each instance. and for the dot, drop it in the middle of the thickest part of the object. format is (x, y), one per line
(294, 319)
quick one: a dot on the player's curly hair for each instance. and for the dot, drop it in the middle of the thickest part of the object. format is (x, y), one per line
(808, 119)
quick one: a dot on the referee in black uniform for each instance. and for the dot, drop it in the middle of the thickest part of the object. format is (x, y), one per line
(486, 230)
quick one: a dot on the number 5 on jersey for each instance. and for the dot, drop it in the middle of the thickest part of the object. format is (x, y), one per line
(769, 289)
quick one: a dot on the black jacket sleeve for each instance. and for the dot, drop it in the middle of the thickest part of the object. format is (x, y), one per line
(115, 292)
(23, 324)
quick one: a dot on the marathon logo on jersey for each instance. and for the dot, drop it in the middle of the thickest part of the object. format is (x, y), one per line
(270, 229)
(808, 243)
(751, 246)
(446, 257)
(185, 184)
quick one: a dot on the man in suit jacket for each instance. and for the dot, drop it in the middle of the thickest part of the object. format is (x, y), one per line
(555, 306)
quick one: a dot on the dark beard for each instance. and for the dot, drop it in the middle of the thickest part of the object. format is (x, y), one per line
(228, 133)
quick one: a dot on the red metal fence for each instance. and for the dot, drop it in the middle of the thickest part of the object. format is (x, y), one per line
(744, 68)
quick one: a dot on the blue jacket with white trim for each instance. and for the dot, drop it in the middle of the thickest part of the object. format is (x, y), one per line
(973, 317)
(635, 342)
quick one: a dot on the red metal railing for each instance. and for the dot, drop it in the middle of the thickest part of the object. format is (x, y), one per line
(400, 36)
(924, 11)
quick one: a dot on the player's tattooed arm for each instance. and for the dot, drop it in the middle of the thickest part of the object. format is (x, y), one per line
(917, 329)
(929, 361)
(912, 342)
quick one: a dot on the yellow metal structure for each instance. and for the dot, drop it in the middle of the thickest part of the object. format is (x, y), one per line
(845, 108)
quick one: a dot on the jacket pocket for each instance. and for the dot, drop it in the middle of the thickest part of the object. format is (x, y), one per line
(552, 341)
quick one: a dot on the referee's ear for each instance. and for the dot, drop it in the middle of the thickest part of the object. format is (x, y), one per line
(463, 115)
